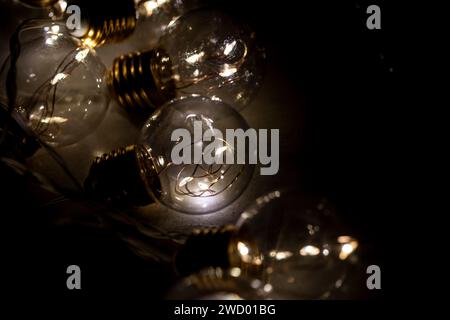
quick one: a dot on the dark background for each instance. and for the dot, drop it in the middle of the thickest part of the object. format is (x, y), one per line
(334, 103)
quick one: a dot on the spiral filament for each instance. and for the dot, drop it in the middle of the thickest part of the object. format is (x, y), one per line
(220, 62)
(42, 122)
(142, 81)
(201, 181)
(206, 180)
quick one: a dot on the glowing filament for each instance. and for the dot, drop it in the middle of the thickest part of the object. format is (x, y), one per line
(194, 58)
(309, 251)
(243, 249)
(229, 47)
(58, 77)
(227, 70)
(80, 56)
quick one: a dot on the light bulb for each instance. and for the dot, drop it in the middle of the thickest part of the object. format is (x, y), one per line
(61, 91)
(203, 52)
(140, 174)
(292, 245)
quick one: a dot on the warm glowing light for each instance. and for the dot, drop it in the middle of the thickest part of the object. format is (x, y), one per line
(161, 161)
(58, 77)
(150, 6)
(62, 5)
(51, 120)
(347, 248)
(235, 272)
(194, 58)
(267, 287)
(221, 150)
(171, 23)
(89, 42)
(55, 29)
(280, 255)
(184, 181)
(349, 245)
(229, 47)
(227, 70)
(257, 261)
(344, 239)
(309, 251)
(243, 249)
(80, 56)
(203, 186)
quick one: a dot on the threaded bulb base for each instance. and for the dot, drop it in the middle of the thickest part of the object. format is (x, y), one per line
(213, 279)
(142, 82)
(121, 178)
(106, 23)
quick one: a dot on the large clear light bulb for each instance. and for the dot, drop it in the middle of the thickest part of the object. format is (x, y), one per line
(291, 245)
(61, 92)
(141, 174)
(203, 52)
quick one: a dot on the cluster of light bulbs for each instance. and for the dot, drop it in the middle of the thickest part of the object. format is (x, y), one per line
(205, 67)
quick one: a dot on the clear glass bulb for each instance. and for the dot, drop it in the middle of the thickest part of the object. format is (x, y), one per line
(288, 246)
(294, 245)
(61, 92)
(141, 173)
(204, 52)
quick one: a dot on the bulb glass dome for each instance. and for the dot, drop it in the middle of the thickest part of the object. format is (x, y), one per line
(61, 91)
(294, 245)
(195, 186)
